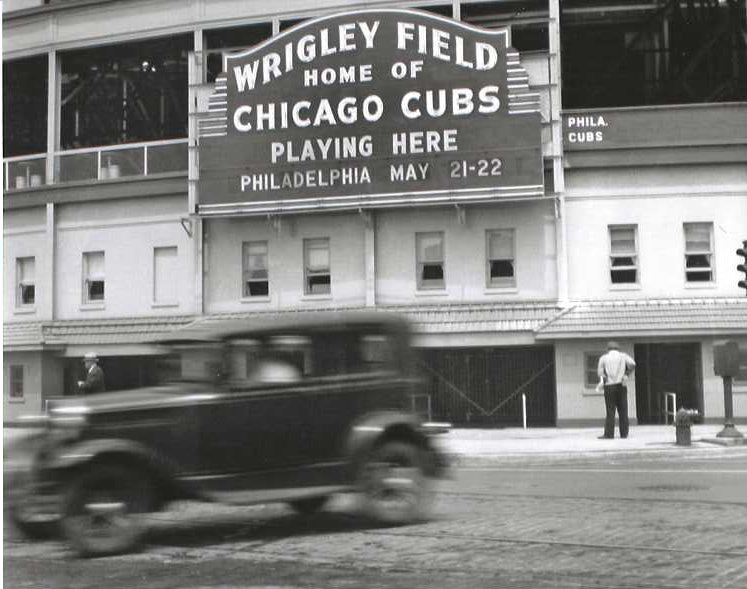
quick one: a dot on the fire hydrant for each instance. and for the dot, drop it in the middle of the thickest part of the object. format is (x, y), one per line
(683, 419)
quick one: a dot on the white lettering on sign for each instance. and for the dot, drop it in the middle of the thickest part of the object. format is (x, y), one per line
(304, 113)
(587, 123)
(408, 172)
(458, 101)
(328, 148)
(445, 46)
(424, 141)
(316, 178)
(274, 64)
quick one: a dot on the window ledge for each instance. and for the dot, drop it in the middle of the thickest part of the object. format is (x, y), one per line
(162, 305)
(17, 401)
(432, 293)
(92, 306)
(628, 286)
(496, 290)
(251, 300)
(24, 310)
(700, 285)
(317, 297)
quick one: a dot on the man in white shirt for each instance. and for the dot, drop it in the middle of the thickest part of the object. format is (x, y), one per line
(613, 369)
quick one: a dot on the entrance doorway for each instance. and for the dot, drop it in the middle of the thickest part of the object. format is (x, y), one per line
(667, 368)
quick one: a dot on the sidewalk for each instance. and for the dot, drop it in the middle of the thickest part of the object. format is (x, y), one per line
(572, 441)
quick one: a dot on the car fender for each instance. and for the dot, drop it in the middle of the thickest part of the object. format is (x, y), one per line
(86, 452)
(368, 431)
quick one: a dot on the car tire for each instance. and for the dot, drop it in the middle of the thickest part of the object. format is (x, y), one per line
(24, 516)
(394, 484)
(102, 510)
(309, 505)
(33, 525)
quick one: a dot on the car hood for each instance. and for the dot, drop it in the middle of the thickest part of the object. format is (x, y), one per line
(166, 395)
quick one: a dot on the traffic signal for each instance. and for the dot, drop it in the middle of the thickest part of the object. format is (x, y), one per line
(743, 267)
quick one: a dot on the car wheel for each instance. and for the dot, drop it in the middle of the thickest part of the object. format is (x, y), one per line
(309, 505)
(25, 515)
(394, 485)
(102, 510)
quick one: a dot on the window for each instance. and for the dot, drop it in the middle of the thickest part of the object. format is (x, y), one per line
(16, 382)
(698, 252)
(591, 362)
(165, 283)
(26, 276)
(623, 254)
(500, 255)
(93, 277)
(429, 251)
(317, 276)
(256, 279)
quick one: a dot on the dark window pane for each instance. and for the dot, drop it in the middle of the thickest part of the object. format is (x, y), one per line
(319, 284)
(28, 294)
(25, 106)
(433, 272)
(698, 261)
(698, 276)
(501, 268)
(623, 262)
(96, 290)
(257, 288)
(624, 276)
(125, 93)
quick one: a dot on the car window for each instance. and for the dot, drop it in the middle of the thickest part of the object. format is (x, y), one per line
(377, 352)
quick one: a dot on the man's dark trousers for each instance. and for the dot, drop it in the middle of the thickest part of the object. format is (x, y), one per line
(616, 397)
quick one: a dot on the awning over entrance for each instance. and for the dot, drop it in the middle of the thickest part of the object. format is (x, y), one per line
(648, 317)
(427, 319)
(72, 334)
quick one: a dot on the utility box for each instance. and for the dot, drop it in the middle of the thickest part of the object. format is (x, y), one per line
(726, 359)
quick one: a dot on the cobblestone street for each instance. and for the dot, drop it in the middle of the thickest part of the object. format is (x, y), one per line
(544, 524)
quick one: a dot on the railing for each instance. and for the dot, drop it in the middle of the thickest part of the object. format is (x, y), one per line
(97, 163)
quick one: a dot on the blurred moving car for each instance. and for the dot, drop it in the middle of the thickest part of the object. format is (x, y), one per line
(272, 410)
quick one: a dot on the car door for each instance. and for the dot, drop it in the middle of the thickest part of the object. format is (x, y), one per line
(254, 425)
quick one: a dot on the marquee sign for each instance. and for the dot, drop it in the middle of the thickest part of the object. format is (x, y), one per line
(370, 108)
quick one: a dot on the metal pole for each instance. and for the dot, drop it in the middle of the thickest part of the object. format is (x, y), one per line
(524, 410)
(729, 431)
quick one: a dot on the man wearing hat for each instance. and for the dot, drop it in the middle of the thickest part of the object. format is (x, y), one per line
(613, 369)
(94, 382)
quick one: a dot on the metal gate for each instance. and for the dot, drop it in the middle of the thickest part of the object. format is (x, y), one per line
(484, 386)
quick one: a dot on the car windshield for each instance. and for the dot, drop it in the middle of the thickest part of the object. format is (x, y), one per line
(193, 362)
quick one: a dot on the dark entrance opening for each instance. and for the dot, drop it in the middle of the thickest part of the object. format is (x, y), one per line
(667, 368)
(120, 372)
(483, 386)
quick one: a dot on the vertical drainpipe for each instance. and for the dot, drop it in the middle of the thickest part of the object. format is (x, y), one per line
(369, 221)
(557, 152)
(196, 63)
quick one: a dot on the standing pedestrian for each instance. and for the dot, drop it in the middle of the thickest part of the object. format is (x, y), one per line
(94, 382)
(613, 369)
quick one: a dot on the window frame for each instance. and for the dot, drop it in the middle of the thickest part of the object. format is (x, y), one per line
(88, 279)
(309, 245)
(504, 283)
(13, 377)
(592, 357)
(420, 264)
(636, 266)
(246, 281)
(711, 254)
(21, 283)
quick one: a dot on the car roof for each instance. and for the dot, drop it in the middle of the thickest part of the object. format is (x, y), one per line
(222, 327)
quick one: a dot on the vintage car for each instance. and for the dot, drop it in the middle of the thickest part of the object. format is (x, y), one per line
(273, 409)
